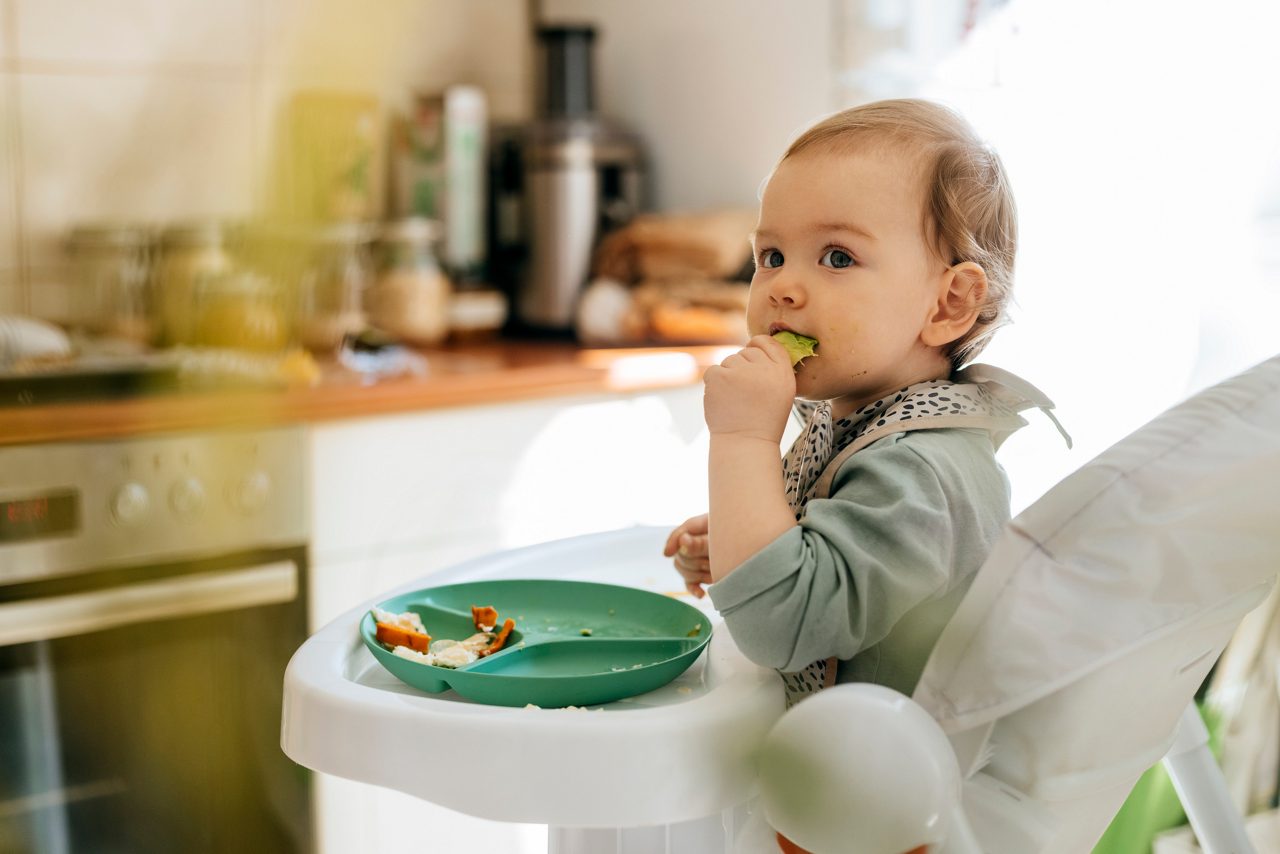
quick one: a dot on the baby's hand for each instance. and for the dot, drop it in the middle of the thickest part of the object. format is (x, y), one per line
(688, 544)
(751, 392)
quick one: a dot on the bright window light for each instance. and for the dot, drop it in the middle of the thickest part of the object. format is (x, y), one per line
(1144, 152)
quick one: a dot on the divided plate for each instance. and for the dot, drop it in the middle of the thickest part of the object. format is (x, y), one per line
(575, 643)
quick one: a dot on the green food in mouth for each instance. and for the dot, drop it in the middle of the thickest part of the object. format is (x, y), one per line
(799, 347)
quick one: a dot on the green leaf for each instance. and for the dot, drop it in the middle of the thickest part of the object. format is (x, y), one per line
(799, 347)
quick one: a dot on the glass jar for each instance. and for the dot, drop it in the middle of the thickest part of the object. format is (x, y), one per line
(411, 298)
(331, 302)
(111, 270)
(189, 254)
(240, 310)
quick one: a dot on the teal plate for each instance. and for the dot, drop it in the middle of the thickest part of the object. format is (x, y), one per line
(575, 643)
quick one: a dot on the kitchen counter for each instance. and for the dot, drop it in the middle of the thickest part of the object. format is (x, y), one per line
(457, 376)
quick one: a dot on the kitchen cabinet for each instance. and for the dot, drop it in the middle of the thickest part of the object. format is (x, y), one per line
(398, 497)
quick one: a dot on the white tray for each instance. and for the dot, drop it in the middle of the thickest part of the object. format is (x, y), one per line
(679, 753)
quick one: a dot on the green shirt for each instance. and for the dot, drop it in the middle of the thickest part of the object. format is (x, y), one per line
(872, 574)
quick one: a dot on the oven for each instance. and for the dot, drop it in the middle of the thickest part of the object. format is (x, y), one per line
(151, 595)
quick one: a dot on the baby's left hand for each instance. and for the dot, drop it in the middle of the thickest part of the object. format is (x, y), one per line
(751, 392)
(688, 545)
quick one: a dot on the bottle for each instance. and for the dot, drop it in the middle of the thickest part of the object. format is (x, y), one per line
(190, 253)
(411, 298)
(112, 265)
(331, 302)
(241, 311)
(465, 157)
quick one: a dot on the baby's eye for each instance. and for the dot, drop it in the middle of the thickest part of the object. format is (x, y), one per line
(770, 258)
(837, 259)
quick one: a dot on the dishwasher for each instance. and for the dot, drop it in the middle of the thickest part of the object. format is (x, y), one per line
(151, 593)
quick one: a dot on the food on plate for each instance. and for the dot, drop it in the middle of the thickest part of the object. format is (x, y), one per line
(396, 636)
(406, 637)
(395, 630)
(501, 639)
(484, 618)
(799, 347)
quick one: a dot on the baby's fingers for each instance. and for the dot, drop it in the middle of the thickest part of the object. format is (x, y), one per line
(673, 540)
(693, 545)
(769, 346)
(695, 526)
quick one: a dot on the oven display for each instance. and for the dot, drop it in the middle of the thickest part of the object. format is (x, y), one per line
(39, 516)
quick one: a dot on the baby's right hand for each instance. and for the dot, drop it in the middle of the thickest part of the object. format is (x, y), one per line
(688, 545)
(751, 392)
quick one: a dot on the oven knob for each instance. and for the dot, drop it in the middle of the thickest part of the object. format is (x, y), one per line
(130, 503)
(187, 498)
(250, 494)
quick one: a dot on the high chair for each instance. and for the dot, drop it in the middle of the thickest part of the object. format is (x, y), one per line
(1070, 665)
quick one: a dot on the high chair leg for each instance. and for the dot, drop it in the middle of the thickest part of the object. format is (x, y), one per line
(1200, 786)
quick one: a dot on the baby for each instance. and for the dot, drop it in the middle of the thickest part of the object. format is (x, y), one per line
(887, 232)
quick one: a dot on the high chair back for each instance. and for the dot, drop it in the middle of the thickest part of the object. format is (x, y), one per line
(1063, 674)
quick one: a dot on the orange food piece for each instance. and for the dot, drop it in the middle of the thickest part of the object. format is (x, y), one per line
(500, 639)
(396, 636)
(484, 617)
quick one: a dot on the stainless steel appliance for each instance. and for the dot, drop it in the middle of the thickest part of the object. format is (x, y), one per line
(581, 177)
(151, 594)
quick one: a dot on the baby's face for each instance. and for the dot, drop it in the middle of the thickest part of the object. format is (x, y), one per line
(841, 257)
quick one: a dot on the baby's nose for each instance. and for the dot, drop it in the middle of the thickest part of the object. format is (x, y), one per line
(788, 293)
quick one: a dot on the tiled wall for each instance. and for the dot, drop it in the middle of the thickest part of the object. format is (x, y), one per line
(715, 93)
(9, 266)
(162, 110)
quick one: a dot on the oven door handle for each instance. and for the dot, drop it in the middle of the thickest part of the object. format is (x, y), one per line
(183, 596)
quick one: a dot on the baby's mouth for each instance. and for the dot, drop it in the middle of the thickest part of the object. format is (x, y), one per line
(775, 328)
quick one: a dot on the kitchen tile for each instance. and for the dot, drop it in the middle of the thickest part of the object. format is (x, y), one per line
(50, 293)
(136, 32)
(484, 44)
(395, 46)
(722, 61)
(339, 33)
(341, 44)
(9, 259)
(10, 291)
(131, 147)
(6, 30)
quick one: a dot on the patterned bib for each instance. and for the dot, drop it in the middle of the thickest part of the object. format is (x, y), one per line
(980, 396)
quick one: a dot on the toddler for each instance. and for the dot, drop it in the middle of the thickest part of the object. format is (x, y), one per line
(887, 232)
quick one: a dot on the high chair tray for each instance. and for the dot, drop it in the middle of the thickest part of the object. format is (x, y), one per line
(680, 751)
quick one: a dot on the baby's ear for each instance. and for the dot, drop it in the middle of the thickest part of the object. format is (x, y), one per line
(962, 290)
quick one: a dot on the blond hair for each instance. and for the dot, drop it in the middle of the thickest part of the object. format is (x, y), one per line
(969, 212)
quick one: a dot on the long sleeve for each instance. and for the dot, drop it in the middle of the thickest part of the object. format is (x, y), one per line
(879, 564)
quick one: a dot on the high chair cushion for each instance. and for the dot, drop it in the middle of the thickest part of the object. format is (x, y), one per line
(1179, 518)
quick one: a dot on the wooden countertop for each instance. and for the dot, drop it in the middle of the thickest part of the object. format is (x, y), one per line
(461, 376)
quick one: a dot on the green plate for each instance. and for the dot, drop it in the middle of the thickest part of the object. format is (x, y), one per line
(575, 643)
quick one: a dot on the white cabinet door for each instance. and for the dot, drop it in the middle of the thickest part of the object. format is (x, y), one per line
(496, 477)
